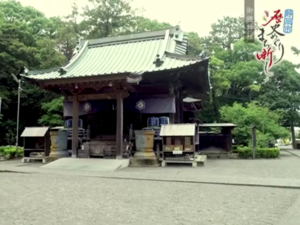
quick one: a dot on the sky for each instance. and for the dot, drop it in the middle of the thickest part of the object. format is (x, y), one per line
(192, 15)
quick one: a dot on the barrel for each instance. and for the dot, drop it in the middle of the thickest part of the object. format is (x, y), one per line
(69, 123)
(164, 120)
(152, 122)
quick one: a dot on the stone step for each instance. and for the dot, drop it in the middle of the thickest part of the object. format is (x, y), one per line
(215, 154)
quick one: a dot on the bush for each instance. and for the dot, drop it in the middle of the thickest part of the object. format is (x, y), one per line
(266, 153)
(10, 152)
(267, 122)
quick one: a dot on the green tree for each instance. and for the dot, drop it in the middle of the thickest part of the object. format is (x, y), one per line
(64, 37)
(144, 24)
(266, 121)
(23, 42)
(108, 18)
(219, 84)
(281, 93)
(227, 31)
(53, 112)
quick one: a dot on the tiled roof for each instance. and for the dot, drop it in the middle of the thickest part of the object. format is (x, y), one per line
(132, 54)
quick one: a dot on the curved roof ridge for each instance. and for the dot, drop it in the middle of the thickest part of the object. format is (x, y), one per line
(136, 36)
(76, 58)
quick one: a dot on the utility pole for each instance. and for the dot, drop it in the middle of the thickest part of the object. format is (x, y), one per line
(18, 111)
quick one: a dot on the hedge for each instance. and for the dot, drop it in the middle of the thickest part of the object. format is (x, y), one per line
(265, 153)
(9, 152)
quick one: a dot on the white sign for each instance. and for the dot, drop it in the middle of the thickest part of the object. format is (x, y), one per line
(177, 152)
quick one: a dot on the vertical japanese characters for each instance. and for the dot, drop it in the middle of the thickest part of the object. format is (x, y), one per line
(249, 21)
(288, 21)
(271, 40)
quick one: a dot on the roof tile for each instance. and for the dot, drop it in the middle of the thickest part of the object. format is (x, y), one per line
(125, 54)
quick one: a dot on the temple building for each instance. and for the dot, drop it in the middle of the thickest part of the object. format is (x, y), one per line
(117, 84)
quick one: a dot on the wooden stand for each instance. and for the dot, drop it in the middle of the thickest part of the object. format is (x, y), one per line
(179, 144)
(36, 144)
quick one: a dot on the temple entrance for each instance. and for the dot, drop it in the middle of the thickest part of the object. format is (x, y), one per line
(102, 123)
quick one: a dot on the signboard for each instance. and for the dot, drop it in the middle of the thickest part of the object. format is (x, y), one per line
(177, 152)
(270, 36)
(249, 21)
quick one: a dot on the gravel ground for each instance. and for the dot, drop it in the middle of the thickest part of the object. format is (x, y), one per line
(35, 199)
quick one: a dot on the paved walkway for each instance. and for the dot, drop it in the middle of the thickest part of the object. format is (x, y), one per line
(46, 199)
(170, 195)
(283, 172)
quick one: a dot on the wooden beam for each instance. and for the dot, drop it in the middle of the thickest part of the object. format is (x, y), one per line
(75, 120)
(88, 97)
(119, 132)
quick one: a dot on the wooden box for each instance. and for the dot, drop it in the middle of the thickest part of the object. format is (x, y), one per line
(188, 147)
(178, 147)
(168, 147)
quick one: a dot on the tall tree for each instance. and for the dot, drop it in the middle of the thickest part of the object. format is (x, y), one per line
(23, 42)
(227, 31)
(144, 24)
(108, 18)
(281, 92)
(65, 35)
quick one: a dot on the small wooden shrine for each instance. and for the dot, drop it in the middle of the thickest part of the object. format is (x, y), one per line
(115, 84)
(216, 137)
(179, 143)
(36, 143)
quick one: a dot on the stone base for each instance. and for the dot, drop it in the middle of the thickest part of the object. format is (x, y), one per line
(31, 159)
(201, 160)
(50, 159)
(59, 154)
(144, 162)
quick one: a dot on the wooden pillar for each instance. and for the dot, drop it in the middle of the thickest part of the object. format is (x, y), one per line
(180, 107)
(171, 92)
(178, 114)
(119, 135)
(226, 132)
(75, 127)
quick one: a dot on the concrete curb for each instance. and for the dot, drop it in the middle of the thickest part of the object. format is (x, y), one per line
(12, 171)
(288, 151)
(211, 180)
(205, 182)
